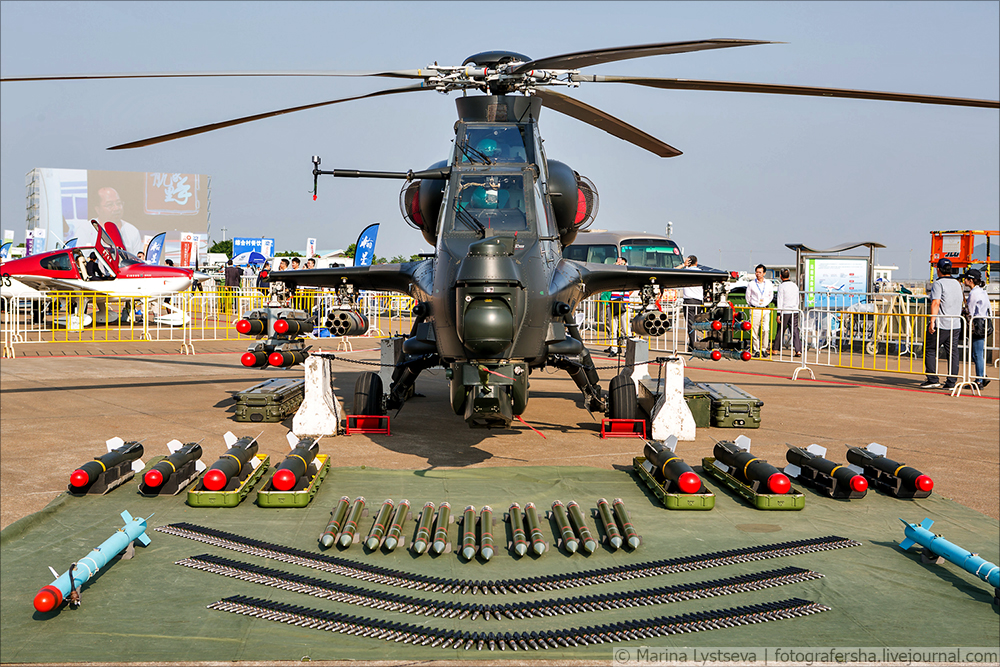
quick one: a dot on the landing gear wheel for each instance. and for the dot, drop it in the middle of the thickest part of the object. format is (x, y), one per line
(621, 398)
(368, 394)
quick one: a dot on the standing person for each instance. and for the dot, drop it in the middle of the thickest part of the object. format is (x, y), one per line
(262, 280)
(617, 316)
(232, 277)
(788, 314)
(979, 316)
(943, 326)
(693, 297)
(759, 295)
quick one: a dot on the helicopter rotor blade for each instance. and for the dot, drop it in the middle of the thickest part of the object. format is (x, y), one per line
(399, 74)
(604, 121)
(781, 89)
(246, 119)
(600, 56)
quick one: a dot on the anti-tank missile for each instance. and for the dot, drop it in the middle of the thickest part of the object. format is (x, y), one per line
(517, 529)
(67, 585)
(538, 544)
(351, 527)
(118, 453)
(936, 544)
(423, 529)
(580, 527)
(230, 464)
(396, 529)
(888, 475)
(379, 526)
(158, 475)
(295, 465)
(749, 469)
(337, 517)
(486, 532)
(610, 526)
(841, 480)
(670, 468)
(441, 530)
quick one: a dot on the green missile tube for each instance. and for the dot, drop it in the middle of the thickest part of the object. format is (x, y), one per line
(610, 527)
(580, 527)
(621, 514)
(441, 529)
(534, 530)
(517, 529)
(396, 529)
(378, 528)
(570, 542)
(469, 533)
(337, 517)
(351, 527)
(486, 532)
(423, 529)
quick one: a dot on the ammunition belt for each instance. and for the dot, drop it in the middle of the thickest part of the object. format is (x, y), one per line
(610, 632)
(520, 610)
(382, 575)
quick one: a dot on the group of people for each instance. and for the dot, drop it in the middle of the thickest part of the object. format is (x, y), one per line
(759, 294)
(949, 310)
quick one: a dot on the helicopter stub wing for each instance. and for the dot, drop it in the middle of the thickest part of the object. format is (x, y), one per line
(409, 278)
(597, 278)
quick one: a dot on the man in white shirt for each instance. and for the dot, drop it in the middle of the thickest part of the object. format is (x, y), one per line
(759, 295)
(693, 297)
(788, 314)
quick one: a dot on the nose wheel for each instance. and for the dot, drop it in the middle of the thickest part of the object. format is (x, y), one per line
(622, 400)
(368, 394)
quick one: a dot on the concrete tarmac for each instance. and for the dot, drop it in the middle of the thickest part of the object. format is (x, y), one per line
(59, 403)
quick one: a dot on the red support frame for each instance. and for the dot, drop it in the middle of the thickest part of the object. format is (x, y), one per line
(623, 428)
(375, 424)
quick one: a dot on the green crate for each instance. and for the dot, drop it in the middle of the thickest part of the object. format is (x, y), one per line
(793, 500)
(699, 402)
(267, 497)
(732, 407)
(270, 401)
(199, 496)
(672, 501)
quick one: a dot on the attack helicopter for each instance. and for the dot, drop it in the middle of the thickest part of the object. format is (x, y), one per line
(496, 300)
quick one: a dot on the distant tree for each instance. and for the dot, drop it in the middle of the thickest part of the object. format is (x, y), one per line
(288, 253)
(350, 250)
(224, 247)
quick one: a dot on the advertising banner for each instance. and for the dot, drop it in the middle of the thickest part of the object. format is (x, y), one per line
(243, 245)
(364, 249)
(310, 247)
(846, 278)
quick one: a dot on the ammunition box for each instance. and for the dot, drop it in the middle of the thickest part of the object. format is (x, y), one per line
(732, 407)
(270, 401)
(699, 402)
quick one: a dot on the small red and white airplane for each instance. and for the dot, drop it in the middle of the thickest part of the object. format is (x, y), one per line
(115, 273)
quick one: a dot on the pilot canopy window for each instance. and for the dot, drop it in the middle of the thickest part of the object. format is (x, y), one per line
(658, 254)
(60, 262)
(497, 144)
(494, 203)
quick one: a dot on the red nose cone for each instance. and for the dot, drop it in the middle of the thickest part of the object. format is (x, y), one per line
(778, 483)
(48, 599)
(243, 326)
(281, 326)
(746, 356)
(153, 478)
(925, 483)
(859, 484)
(717, 325)
(283, 480)
(689, 482)
(214, 480)
(79, 478)
(249, 359)
(716, 355)
(746, 326)
(276, 359)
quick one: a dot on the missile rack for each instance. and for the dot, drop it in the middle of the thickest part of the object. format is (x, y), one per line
(297, 497)
(670, 499)
(238, 488)
(176, 483)
(793, 500)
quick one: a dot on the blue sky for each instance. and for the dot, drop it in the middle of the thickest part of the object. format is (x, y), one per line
(758, 171)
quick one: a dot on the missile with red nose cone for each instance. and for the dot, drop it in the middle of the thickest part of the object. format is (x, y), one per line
(747, 468)
(296, 464)
(119, 452)
(670, 469)
(229, 466)
(887, 475)
(833, 479)
(180, 455)
(67, 585)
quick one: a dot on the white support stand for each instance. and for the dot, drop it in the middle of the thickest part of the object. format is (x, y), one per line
(671, 414)
(320, 412)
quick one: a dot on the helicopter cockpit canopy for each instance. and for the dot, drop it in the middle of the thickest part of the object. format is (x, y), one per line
(496, 144)
(494, 201)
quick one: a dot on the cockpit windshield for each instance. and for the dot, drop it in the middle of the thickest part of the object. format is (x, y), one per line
(492, 145)
(492, 202)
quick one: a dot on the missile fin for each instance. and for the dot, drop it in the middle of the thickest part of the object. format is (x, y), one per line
(671, 443)
(926, 524)
(792, 470)
(254, 462)
(143, 539)
(720, 465)
(906, 544)
(126, 517)
(816, 449)
(174, 445)
(743, 443)
(292, 440)
(199, 465)
(854, 468)
(229, 439)
(114, 443)
(877, 449)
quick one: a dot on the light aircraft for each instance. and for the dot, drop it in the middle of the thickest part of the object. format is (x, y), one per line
(496, 300)
(122, 275)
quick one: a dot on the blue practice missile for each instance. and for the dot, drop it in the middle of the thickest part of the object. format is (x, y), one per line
(68, 584)
(939, 546)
